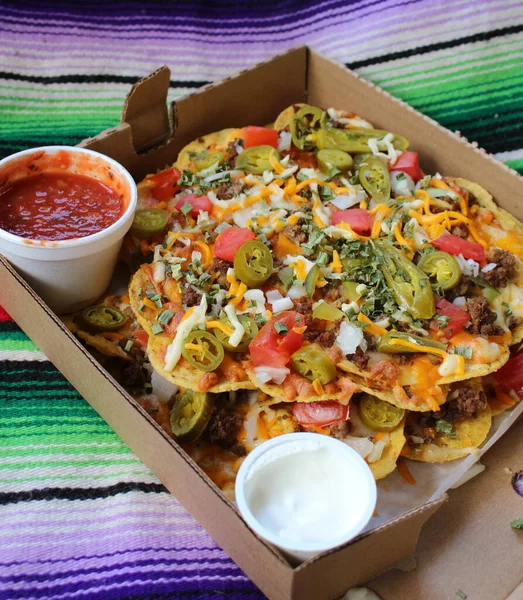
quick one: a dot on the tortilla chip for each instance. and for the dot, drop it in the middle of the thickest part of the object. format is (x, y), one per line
(277, 392)
(97, 341)
(470, 433)
(509, 237)
(396, 395)
(387, 463)
(212, 141)
(284, 118)
(183, 374)
(147, 316)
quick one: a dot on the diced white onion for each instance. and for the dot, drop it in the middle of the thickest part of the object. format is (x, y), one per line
(489, 267)
(296, 291)
(268, 176)
(402, 184)
(363, 445)
(273, 295)
(468, 266)
(162, 388)
(284, 141)
(277, 374)
(159, 272)
(283, 304)
(195, 255)
(459, 301)
(349, 338)
(377, 451)
(343, 201)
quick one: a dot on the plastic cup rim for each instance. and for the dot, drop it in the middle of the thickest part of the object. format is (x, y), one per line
(292, 545)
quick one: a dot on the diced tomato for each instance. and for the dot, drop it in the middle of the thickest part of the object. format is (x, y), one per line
(259, 136)
(408, 163)
(273, 349)
(142, 337)
(165, 184)
(510, 376)
(198, 203)
(456, 245)
(457, 317)
(359, 219)
(230, 240)
(320, 413)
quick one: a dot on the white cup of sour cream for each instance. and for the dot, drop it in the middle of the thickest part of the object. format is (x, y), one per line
(69, 274)
(305, 493)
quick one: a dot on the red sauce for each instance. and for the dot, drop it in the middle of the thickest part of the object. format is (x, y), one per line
(58, 206)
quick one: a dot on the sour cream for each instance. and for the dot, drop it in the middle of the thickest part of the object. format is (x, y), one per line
(305, 493)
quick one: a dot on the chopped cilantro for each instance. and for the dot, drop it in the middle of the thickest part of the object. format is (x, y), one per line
(300, 176)
(281, 328)
(142, 306)
(354, 180)
(157, 328)
(461, 594)
(286, 276)
(463, 351)
(186, 208)
(187, 179)
(165, 316)
(445, 428)
(322, 259)
(517, 523)
(128, 345)
(508, 309)
(442, 321)
(259, 319)
(326, 193)
(333, 171)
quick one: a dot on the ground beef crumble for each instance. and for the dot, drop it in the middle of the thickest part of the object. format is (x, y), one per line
(219, 269)
(227, 191)
(359, 358)
(469, 402)
(505, 270)
(223, 429)
(460, 230)
(481, 317)
(295, 233)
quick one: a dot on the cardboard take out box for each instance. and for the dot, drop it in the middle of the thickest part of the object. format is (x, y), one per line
(150, 137)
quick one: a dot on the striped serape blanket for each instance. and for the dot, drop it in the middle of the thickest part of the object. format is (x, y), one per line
(80, 516)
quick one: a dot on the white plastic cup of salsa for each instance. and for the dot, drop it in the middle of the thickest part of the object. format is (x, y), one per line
(68, 274)
(321, 498)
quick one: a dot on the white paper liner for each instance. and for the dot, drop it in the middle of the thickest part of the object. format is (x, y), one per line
(396, 496)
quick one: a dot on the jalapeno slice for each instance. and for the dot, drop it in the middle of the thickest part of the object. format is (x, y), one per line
(256, 159)
(251, 329)
(356, 141)
(205, 159)
(202, 350)
(379, 415)
(332, 158)
(96, 319)
(409, 284)
(311, 279)
(148, 222)
(384, 345)
(304, 125)
(349, 290)
(442, 268)
(253, 263)
(190, 415)
(327, 312)
(312, 363)
(375, 178)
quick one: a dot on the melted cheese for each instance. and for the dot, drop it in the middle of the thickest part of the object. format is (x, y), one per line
(239, 330)
(371, 327)
(194, 316)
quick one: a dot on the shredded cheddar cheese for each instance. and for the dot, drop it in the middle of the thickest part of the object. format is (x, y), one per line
(336, 265)
(219, 325)
(371, 327)
(318, 388)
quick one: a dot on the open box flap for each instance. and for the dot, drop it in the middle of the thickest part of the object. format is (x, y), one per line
(147, 139)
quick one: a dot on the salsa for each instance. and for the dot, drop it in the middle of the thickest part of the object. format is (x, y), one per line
(58, 206)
